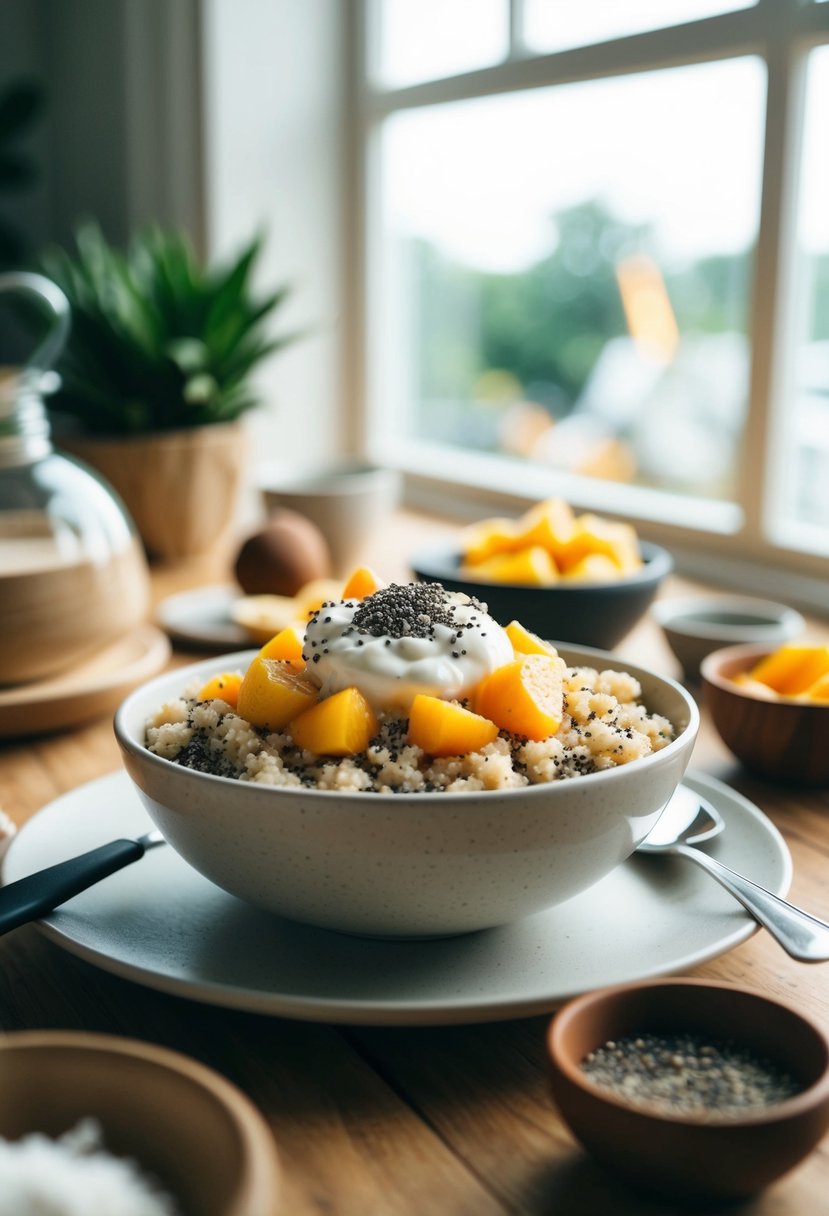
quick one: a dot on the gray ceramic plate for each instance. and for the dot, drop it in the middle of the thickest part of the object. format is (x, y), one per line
(160, 923)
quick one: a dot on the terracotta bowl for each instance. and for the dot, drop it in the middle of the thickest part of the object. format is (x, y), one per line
(180, 1122)
(725, 1157)
(584, 614)
(784, 740)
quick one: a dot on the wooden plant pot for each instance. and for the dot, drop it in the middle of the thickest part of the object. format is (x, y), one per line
(181, 487)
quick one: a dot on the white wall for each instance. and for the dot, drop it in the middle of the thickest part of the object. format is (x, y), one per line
(273, 85)
(221, 116)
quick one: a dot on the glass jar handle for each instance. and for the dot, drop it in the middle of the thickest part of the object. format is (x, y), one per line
(47, 352)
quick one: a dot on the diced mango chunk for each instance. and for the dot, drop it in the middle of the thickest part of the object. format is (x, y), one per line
(790, 670)
(594, 534)
(487, 539)
(442, 728)
(526, 642)
(531, 567)
(340, 725)
(588, 546)
(223, 687)
(550, 524)
(525, 696)
(819, 691)
(593, 568)
(285, 645)
(273, 692)
(361, 583)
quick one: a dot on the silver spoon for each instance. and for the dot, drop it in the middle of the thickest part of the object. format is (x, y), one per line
(689, 819)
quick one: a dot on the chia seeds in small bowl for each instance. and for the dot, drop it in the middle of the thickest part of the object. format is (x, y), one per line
(690, 1087)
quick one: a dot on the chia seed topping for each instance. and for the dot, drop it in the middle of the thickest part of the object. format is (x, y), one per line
(686, 1074)
(404, 640)
(409, 610)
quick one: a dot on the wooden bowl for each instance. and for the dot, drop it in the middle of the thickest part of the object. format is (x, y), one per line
(180, 1122)
(781, 739)
(726, 1157)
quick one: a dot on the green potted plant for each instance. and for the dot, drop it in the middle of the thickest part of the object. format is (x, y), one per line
(156, 375)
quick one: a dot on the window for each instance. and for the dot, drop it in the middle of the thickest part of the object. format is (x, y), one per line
(597, 259)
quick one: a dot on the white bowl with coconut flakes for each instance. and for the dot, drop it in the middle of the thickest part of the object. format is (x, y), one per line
(407, 864)
(98, 1125)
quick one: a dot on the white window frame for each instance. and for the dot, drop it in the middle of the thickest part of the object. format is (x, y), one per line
(736, 546)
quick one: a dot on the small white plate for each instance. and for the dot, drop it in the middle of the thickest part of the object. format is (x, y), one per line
(202, 618)
(160, 923)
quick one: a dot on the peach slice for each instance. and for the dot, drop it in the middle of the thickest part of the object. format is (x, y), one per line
(273, 692)
(340, 725)
(441, 728)
(524, 697)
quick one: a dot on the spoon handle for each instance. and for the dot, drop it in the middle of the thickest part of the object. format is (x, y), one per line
(800, 934)
(32, 897)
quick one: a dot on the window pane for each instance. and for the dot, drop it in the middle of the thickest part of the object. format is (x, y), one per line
(564, 274)
(426, 39)
(568, 23)
(807, 472)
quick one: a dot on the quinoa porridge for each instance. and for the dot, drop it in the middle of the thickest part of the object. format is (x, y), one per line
(410, 689)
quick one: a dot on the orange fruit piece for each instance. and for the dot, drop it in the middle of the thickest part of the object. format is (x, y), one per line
(486, 539)
(819, 691)
(285, 645)
(613, 538)
(790, 670)
(223, 687)
(273, 692)
(528, 567)
(525, 642)
(524, 697)
(340, 725)
(550, 524)
(361, 583)
(443, 729)
(593, 568)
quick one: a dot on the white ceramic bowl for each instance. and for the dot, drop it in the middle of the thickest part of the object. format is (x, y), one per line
(697, 625)
(406, 864)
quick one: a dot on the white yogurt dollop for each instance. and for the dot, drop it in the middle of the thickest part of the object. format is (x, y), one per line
(403, 640)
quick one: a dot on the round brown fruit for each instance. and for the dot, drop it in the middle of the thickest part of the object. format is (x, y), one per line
(280, 559)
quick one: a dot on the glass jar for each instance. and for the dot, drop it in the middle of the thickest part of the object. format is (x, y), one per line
(73, 576)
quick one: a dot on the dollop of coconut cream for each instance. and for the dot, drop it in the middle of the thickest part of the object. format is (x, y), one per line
(403, 640)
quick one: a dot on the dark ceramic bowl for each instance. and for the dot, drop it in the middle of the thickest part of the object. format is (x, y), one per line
(724, 1156)
(586, 614)
(697, 625)
(781, 739)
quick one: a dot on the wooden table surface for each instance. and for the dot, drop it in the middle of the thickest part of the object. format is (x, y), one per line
(404, 1121)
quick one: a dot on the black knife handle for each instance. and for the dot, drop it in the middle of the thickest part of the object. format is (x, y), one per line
(32, 897)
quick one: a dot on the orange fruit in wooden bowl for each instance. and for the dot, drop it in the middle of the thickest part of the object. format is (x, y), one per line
(784, 738)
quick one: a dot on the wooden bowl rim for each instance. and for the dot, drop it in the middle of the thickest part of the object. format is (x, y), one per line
(814, 1096)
